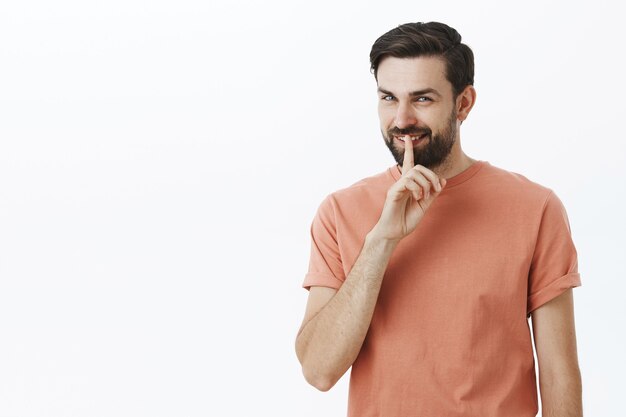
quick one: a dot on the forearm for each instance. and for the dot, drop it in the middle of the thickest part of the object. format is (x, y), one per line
(561, 393)
(329, 343)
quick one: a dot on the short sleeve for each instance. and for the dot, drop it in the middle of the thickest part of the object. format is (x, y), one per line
(554, 266)
(325, 265)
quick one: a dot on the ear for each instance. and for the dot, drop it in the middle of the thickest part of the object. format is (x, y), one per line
(465, 101)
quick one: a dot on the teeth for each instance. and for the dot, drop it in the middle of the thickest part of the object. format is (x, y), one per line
(413, 138)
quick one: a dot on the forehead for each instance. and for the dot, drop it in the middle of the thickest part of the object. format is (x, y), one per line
(403, 75)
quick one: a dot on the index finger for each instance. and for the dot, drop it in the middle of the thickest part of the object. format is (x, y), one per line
(407, 163)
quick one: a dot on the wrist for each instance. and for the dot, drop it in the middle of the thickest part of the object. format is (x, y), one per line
(377, 236)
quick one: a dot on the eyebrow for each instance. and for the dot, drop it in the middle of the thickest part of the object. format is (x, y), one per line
(413, 93)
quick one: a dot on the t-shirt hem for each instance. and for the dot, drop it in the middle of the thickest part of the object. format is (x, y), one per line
(552, 291)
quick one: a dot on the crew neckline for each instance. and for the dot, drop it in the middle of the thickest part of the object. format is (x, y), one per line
(452, 181)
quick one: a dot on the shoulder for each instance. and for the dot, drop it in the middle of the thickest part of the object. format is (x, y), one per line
(514, 186)
(359, 194)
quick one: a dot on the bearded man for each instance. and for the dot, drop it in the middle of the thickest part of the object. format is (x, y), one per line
(423, 278)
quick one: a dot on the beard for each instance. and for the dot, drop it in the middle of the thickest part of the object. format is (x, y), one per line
(431, 154)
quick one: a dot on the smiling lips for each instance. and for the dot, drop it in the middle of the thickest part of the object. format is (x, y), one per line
(414, 138)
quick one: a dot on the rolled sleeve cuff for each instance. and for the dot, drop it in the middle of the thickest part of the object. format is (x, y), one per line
(552, 291)
(321, 280)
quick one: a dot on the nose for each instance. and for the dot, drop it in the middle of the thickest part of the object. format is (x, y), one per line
(405, 116)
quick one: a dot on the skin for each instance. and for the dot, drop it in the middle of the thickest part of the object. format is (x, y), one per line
(554, 333)
(414, 93)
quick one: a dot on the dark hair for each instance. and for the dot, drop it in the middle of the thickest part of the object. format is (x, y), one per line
(428, 39)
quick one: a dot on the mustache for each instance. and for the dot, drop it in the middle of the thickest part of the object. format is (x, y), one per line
(412, 131)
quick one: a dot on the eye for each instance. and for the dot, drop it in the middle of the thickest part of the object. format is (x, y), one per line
(423, 99)
(387, 98)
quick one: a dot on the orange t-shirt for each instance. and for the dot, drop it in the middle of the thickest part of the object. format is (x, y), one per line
(450, 334)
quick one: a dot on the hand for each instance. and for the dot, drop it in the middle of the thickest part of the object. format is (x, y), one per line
(408, 199)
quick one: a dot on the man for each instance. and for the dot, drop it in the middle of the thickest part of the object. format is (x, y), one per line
(422, 278)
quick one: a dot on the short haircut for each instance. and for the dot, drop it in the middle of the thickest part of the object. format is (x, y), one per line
(432, 39)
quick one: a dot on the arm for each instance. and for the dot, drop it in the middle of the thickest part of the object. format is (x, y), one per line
(328, 343)
(555, 341)
(336, 322)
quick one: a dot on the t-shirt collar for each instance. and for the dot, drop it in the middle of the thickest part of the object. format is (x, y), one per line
(452, 181)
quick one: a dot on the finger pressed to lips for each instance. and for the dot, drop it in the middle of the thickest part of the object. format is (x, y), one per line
(407, 163)
(421, 175)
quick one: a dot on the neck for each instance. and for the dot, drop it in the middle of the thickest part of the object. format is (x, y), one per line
(456, 162)
(453, 165)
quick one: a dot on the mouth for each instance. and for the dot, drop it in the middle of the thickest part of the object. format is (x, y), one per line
(415, 139)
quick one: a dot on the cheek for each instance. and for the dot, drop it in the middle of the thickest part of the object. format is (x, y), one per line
(386, 117)
(438, 121)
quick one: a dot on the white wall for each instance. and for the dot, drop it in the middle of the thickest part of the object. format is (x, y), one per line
(161, 162)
